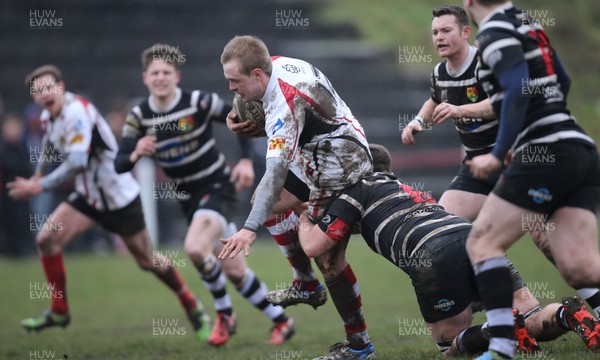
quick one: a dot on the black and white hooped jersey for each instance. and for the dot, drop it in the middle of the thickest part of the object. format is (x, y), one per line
(506, 37)
(477, 136)
(186, 148)
(395, 219)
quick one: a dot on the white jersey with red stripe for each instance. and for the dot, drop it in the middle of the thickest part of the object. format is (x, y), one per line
(308, 123)
(81, 128)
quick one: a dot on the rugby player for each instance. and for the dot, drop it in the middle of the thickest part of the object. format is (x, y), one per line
(78, 132)
(456, 94)
(309, 127)
(520, 73)
(412, 231)
(175, 128)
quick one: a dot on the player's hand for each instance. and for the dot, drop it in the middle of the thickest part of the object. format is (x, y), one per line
(445, 111)
(408, 134)
(482, 166)
(242, 174)
(246, 128)
(242, 240)
(145, 146)
(23, 188)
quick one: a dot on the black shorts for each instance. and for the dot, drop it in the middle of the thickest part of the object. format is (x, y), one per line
(124, 221)
(446, 285)
(465, 181)
(220, 197)
(296, 186)
(566, 174)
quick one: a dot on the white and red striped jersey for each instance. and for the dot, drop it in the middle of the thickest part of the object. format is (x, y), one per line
(81, 128)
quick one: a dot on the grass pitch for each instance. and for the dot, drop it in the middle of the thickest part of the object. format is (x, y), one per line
(119, 312)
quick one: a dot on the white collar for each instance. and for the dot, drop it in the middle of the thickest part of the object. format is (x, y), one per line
(156, 109)
(465, 65)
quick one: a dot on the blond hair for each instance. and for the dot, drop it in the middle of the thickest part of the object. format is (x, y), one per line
(250, 51)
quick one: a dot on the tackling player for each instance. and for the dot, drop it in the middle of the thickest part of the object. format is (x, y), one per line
(74, 127)
(520, 72)
(412, 231)
(175, 128)
(309, 127)
(456, 94)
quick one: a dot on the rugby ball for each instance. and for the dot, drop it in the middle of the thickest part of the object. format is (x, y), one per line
(250, 110)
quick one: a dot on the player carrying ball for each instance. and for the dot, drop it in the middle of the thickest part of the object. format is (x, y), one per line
(174, 127)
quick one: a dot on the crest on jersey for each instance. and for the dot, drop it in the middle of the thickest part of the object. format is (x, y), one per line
(473, 93)
(277, 144)
(77, 139)
(186, 124)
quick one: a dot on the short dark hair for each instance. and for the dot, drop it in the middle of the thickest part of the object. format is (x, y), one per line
(382, 159)
(162, 52)
(459, 13)
(47, 69)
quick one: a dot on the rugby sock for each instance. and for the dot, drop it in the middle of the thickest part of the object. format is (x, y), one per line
(345, 293)
(495, 286)
(283, 230)
(56, 278)
(254, 291)
(592, 297)
(174, 281)
(214, 280)
(471, 341)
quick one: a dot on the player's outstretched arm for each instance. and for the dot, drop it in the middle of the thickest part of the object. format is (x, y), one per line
(267, 194)
(22, 188)
(420, 123)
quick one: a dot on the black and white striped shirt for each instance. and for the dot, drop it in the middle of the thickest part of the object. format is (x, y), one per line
(477, 136)
(506, 37)
(395, 219)
(186, 148)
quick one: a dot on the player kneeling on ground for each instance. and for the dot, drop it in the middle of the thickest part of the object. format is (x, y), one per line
(404, 225)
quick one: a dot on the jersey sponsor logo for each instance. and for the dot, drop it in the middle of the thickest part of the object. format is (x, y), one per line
(77, 139)
(326, 219)
(444, 305)
(291, 68)
(277, 144)
(278, 125)
(186, 124)
(444, 95)
(541, 195)
(177, 151)
(473, 93)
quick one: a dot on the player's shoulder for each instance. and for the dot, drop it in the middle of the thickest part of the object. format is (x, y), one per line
(76, 106)
(498, 27)
(439, 68)
(291, 67)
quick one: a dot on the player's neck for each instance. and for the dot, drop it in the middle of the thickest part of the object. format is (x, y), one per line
(164, 103)
(457, 60)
